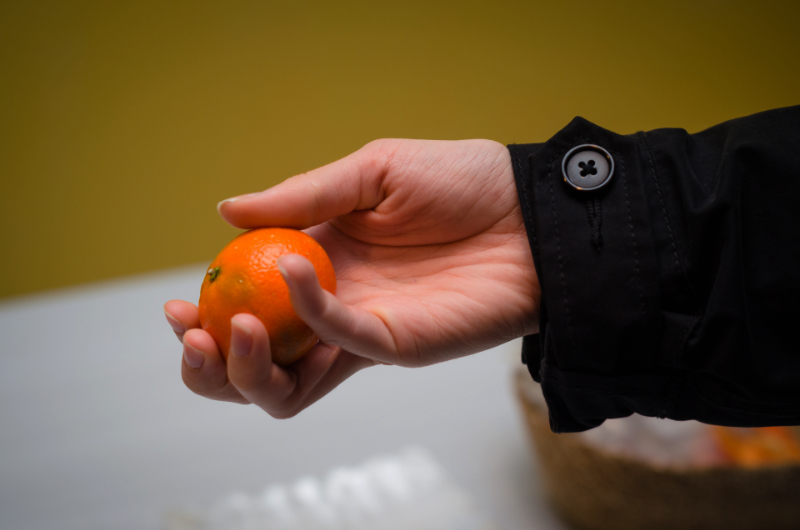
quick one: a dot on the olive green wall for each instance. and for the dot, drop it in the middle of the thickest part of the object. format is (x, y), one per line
(123, 123)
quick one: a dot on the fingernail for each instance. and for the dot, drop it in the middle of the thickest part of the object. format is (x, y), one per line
(241, 338)
(193, 357)
(283, 271)
(173, 322)
(220, 203)
(234, 199)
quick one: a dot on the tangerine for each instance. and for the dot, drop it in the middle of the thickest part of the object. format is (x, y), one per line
(244, 278)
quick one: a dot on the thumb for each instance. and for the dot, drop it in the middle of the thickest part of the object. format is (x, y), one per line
(352, 329)
(352, 183)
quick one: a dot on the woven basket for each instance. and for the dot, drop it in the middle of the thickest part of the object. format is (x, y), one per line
(593, 489)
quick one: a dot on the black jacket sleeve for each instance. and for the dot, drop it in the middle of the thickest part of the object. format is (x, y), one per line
(674, 290)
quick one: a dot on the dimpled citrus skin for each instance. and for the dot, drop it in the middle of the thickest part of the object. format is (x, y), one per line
(244, 278)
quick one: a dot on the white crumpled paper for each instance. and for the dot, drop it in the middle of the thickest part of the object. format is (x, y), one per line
(409, 490)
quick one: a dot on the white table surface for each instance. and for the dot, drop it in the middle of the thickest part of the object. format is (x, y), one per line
(97, 430)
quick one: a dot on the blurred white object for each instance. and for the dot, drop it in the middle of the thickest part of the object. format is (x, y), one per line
(659, 442)
(407, 491)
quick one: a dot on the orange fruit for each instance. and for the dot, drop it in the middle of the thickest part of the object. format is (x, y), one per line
(758, 446)
(244, 278)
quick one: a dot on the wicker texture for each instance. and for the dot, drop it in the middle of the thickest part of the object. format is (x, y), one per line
(596, 490)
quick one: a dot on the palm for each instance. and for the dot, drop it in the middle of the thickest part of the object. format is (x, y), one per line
(441, 300)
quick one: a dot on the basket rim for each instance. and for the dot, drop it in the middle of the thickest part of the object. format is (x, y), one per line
(522, 378)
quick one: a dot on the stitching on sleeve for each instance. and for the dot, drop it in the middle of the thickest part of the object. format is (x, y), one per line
(663, 202)
(558, 239)
(637, 268)
(594, 212)
(528, 204)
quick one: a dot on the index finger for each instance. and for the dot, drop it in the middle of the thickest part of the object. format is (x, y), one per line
(352, 183)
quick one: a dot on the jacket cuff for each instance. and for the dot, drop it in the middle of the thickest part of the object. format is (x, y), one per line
(601, 328)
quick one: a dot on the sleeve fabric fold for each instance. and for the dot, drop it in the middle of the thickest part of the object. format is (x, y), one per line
(674, 290)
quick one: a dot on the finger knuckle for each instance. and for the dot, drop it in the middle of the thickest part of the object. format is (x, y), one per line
(376, 145)
(331, 337)
(377, 154)
(229, 394)
(248, 380)
(198, 384)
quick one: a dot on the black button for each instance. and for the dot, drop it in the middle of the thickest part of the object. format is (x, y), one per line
(587, 167)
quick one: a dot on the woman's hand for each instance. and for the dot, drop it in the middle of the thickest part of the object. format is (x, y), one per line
(431, 258)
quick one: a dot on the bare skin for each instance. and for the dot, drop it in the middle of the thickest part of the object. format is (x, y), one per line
(432, 263)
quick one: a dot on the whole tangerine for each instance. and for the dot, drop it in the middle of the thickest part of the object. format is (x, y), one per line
(244, 278)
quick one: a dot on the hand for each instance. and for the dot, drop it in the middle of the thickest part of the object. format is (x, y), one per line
(432, 263)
